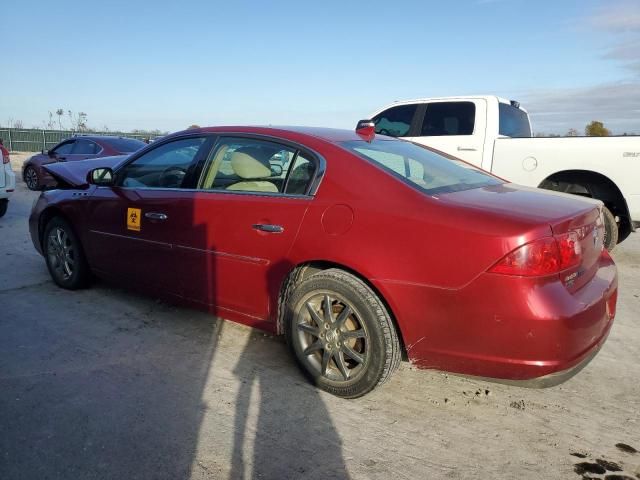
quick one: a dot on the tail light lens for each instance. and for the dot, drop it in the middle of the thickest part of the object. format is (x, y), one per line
(545, 256)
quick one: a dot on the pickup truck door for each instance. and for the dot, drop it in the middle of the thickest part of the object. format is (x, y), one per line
(455, 127)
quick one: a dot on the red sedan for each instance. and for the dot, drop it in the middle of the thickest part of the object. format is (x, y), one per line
(361, 249)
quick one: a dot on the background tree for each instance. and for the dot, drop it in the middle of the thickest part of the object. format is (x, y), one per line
(572, 133)
(596, 129)
(60, 113)
(191, 127)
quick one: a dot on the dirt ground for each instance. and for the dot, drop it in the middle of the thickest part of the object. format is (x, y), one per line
(103, 383)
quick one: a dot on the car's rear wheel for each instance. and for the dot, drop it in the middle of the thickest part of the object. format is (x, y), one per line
(341, 333)
(64, 255)
(4, 204)
(610, 229)
(31, 178)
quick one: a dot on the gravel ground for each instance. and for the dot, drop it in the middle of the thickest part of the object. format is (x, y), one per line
(104, 383)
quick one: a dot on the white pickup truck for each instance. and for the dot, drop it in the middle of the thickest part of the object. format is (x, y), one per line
(7, 180)
(495, 134)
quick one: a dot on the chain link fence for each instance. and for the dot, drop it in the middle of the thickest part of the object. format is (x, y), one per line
(32, 140)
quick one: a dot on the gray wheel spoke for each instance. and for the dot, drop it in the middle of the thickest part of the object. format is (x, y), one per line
(59, 238)
(342, 317)
(353, 333)
(342, 365)
(350, 352)
(314, 314)
(314, 347)
(326, 356)
(328, 317)
(305, 327)
(67, 268)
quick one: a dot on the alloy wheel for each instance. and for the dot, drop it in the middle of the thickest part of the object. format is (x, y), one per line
(31, 178)
(333, 339)
(61, 253)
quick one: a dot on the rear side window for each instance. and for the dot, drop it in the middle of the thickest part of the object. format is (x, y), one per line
(513, 122)
(85, 147)
(258, 166)
(449, 118)
(422, 168)
(395, 121)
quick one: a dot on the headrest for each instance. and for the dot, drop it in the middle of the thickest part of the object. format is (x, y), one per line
(248, 163)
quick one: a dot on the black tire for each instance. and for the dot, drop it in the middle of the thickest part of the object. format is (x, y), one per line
(31, 178)
(64, 255)
(4, 204)
(610, 229)
(353, 350)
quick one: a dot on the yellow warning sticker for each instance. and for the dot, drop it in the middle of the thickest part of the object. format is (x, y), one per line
(133, 219)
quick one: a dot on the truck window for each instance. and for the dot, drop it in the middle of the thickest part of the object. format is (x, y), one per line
(513, 122)
(449, 118)
(395, 121)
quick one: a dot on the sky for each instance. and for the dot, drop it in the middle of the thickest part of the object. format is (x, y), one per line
(167, 65)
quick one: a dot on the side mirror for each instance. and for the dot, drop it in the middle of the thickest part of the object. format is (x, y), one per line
(276, 170)
(101, 176)
(51, 153)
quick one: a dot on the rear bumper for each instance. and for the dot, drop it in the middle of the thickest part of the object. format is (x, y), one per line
(503, 328)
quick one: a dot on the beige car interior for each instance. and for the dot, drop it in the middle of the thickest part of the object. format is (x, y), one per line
(251, 170)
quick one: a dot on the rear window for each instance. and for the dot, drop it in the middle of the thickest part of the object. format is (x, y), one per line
(422, 168)
(449, 118)
(125, 145)
(513, 122)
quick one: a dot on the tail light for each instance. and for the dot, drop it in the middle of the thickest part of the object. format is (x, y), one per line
(545, 256)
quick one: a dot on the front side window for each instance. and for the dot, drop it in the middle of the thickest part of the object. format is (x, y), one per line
(259, 166)
(422, 168)
(165, 166)
(64, 149)
(85, 147)
(513, 122)
(449, 118)
(395, 121)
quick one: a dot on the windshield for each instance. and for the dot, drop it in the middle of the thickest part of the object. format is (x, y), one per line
(422, 168)
(126, 145)
(513, 122)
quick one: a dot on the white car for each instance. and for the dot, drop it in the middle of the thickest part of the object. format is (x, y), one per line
(495, 134)
(7, 182)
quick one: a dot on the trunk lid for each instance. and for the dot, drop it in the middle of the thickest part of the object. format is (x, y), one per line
(562, 213)
(74, 174)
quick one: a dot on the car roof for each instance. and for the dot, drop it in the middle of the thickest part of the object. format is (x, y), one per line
(332, 135)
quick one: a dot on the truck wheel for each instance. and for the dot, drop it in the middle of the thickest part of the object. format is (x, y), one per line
(610, 229)
(341, 333)
(4, 203)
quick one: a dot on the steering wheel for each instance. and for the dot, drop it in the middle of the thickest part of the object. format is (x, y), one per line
(172, 176)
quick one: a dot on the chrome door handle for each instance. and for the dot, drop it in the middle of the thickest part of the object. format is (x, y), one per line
(467, 149)
(265, 227)
(156, 216)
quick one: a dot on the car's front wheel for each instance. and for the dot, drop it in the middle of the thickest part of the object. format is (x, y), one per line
(341, 333)
(64, 255)
(31, 178)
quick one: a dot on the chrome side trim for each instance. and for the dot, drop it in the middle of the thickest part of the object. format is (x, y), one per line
(168, 246)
